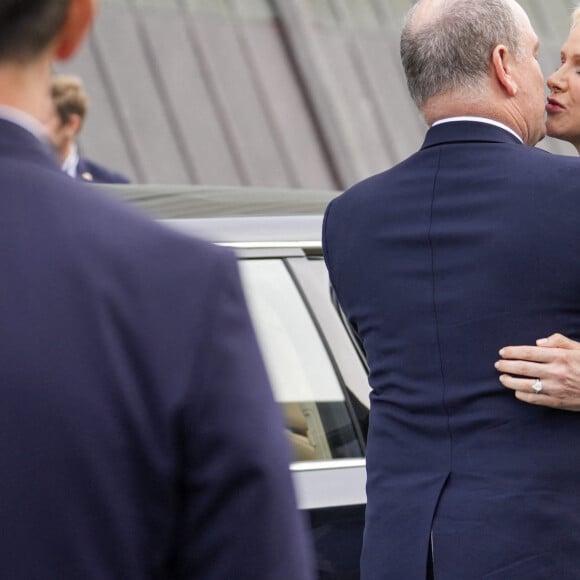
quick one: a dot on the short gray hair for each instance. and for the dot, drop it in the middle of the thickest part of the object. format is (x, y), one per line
(453, 49)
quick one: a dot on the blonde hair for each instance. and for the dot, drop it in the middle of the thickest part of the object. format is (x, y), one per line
(576, 16)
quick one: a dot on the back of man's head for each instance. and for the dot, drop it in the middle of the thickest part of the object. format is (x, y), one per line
(28, 26)
(69, 98)
(447, 45)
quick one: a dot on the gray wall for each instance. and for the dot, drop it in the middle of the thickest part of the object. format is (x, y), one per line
(288, 93)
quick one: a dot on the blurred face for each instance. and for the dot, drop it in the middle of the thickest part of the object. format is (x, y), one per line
(563, 106)
(530, 82)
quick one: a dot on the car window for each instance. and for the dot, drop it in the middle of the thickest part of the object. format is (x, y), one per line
(305, 383)
(322, 278)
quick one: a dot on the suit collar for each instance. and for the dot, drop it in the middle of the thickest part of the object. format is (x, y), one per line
(467, 131)
(16, 141)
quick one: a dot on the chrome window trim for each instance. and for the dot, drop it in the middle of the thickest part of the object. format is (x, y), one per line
(328, 464)
(307, 245)
(328, 484)
(259, 231)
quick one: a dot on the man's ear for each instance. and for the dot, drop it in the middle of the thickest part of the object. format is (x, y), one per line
(76, 25)
(73, 125)
(501, 64)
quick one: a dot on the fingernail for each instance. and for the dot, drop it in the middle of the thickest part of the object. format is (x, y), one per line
(542, 341)
(501, 352)
(496, 364)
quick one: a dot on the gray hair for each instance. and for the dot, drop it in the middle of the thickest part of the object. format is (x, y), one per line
(453, 49)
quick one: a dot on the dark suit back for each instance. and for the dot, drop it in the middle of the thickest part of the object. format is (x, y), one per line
(469, 245)
(139, 437)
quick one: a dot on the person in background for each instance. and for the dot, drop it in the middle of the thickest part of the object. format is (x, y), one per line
(469, 244)
(548, 374)
(63, 126)
(563, 106)
(139, 435)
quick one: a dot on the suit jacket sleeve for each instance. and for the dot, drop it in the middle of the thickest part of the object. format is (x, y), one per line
(239, 518)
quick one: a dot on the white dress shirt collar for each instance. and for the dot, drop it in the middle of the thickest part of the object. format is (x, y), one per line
(479, 120)
(71, 162)
(23, 120)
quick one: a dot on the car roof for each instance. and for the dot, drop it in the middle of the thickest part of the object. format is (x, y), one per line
(189, 201)
(236, 216)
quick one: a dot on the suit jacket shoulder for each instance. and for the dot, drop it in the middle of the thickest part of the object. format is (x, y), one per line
(88, 170)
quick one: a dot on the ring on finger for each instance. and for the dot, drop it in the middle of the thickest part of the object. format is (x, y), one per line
(538, 387)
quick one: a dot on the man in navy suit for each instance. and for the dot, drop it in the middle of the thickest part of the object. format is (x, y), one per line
(138, 434)
(64, 123)
(468, 245)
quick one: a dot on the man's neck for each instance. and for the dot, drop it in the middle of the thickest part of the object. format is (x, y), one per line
(460, 104)
(26, 88)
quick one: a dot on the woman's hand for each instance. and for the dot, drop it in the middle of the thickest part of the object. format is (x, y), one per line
(555, 361)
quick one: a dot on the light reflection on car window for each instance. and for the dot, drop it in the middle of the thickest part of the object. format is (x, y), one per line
(304, 381)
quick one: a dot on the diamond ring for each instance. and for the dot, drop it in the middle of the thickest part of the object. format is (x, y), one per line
(537, 386)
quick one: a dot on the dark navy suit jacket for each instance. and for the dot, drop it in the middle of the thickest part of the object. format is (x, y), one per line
(88, 170)
(138, 434)
(471, 244)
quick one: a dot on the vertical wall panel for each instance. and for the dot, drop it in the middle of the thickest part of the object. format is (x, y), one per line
(281, 95)
(195, 119)
(376, 56)
(337, 48)
(232, 77)
(323, 87)
(118, 42)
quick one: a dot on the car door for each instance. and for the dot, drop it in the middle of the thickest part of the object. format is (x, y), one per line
(320, 382)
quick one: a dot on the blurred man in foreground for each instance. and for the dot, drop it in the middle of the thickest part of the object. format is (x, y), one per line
(63, 126)
(468, 245)
(139, 438)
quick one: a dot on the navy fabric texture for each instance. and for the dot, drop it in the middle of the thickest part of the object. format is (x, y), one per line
(139, 435)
